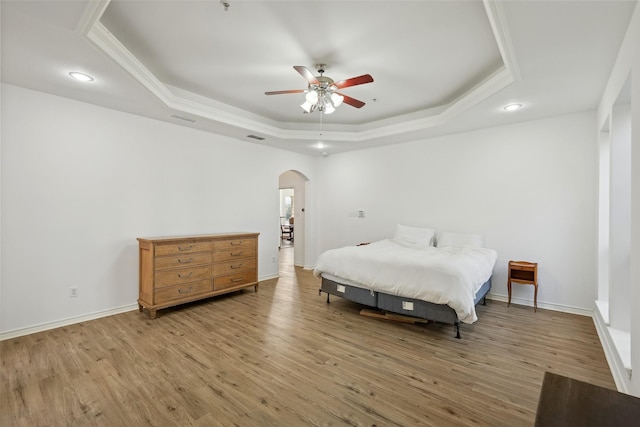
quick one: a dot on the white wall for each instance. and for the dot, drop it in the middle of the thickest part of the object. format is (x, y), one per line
(604, 172)
(81, 182)
(527, 188)
(621, 337)
(620, 217)
(633, 386)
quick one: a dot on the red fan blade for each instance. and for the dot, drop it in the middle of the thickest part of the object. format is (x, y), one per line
(282, 92)
(304, 72)
(352, 101)
(354, 81)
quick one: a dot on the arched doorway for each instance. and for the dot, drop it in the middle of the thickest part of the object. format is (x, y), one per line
(295, 184)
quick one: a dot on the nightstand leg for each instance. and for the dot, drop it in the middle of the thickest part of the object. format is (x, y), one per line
(509, 291)
(535, 298)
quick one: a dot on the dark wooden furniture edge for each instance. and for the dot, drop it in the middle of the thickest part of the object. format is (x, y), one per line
(566, 401)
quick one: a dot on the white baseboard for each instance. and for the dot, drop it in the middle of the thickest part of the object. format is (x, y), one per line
(66, 322)
(82, 318)
(542, 304)
(620, 373)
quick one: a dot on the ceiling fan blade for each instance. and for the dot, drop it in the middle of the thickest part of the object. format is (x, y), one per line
(352, 101)
(307, 74)
(282, 92)
(354, 81)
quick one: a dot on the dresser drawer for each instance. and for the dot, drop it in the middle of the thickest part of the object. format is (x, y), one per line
(233, 244)
(224, 282)
(181, 291)
(233, 267)
(182, 248)
(233, 254)
(182, 275)
(184, 260)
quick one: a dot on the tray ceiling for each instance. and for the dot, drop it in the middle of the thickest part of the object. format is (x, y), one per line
(438, 66)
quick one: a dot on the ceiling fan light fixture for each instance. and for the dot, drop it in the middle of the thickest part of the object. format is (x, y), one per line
(307, 106)
(312, 97)
(321, 93)
(337, 99)
(328, 108)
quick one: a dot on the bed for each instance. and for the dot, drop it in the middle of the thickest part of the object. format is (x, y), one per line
(417, 273)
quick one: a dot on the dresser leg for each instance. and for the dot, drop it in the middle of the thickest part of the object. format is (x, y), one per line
(255, 288)
(140, 307)
(152, 314)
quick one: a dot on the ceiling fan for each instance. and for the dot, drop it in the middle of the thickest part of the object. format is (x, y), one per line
(322, 93)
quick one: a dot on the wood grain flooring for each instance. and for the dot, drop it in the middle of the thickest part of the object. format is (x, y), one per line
(283, 357)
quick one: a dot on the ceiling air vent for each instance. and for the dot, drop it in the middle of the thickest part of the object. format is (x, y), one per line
(259, 138)
(186, 119)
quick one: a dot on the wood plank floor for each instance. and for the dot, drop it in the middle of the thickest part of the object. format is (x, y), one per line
(283, 357)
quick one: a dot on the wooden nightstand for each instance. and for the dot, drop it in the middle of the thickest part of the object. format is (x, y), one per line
(524, 273)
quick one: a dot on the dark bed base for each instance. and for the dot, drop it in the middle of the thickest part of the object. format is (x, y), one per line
(395, 304)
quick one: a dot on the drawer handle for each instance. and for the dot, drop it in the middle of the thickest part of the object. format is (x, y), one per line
(185, 276)
(183, 261)
(234, 267)
(184, 249)
(236, 243)
(236, 253)
(185, 291)
(236, 280)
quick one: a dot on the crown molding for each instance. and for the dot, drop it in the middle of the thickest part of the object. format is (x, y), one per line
(92, 29)
(92, 14)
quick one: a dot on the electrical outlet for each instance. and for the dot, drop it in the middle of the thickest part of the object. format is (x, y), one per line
(73, 292)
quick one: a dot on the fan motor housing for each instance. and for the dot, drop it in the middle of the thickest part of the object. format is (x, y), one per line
(325, 82)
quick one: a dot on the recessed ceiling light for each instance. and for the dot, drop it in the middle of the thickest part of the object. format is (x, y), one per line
(320, 146)
(513, 107)
(81, 77)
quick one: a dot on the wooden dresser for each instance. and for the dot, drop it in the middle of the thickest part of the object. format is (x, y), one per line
(176, 270)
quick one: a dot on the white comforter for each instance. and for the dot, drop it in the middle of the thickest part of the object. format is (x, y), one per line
(450, 276)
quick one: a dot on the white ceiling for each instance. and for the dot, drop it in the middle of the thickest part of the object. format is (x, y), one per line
(438, 66)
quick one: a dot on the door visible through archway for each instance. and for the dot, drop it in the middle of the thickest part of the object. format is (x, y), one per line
(293, 185)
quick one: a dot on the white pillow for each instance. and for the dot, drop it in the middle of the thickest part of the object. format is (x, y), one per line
(458, 240)
(413, 237)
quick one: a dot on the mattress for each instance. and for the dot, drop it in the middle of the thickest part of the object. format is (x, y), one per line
(448, 276)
